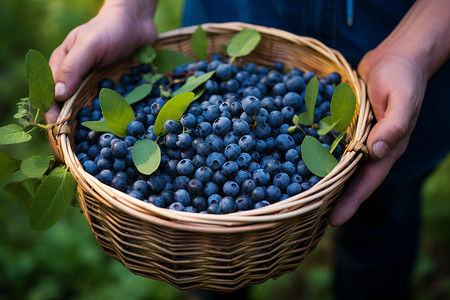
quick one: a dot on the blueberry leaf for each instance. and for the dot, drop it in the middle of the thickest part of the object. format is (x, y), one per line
(243, 42)
(172, 110)
(23, 191)
(166, 60)
(52, 198)
(146, 54)
(336, 142)
(13, 134)
(8, 164)
(139, 93)
(325, 130)
(41, 84)
(35, 166)
(146, 156)
(99, 126)
(316, 157)
(343, 103)
(193, 82)
(22, 108)
(152, 78)
(116, 111)
(305, 118)
(199, 43)
(295, 119)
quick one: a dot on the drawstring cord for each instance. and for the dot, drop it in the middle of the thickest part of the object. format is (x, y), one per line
(349, 13)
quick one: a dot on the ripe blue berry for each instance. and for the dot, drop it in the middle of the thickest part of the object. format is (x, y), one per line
(251, 105)
(183, 197)
(244, 202)
(231, 188)
(261, 177)
(170, 126)
(177, 206)
(135, 128)
(185, 167)
(221, 126)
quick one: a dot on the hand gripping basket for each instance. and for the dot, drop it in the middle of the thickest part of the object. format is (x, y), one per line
(215, 252)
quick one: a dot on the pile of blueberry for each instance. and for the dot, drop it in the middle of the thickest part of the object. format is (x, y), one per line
(230, 151)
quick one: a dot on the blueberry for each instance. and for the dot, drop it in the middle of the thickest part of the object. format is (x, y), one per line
(93, 151)
(195, 187)
(279, 89)
(273, 193)
(119, 183)
(211, 113)
(223, 71)
(296, 84)
(216, 142)
(167, 196)
(253, 166)
(135, 128)
(230, 138)
(261, 204)
(293, 100)
(215, 161)
(241, 127)
(263, 130)
(141, 186)
(213, 209)
(214, 199)
(170, 126)
(119, 149)
(106, 176)
(252, 91)
(219, 178)
(204, 174)
(204, 129)
(156, 200)
(184, 141)
(273, 167)
(247, 143)
(289, 168)
(306, 186)
(232, 85)
(199, 202)
(198, 160)
(104, 163)
(82, 157)
(156, 183)
(244, 202)
(230, 168)
(191, 209)
(251, 105)
(293, 189)
(302, 170)
(177, 206)
(236, 108)
(82, 147)
(227, 205)
(241, 176)
(183, 197)
(328, 91)
(281, 180)
(185, 167)
(188, 120)
(210, 188)
(292, 155)
(284, 142)
(248, 186)
(313, 180)
(261, 177)
(275, 118)
(119, 164)
(258, 194)
(221, 126)
(333, 78)
(307, 76)
(262, 116)
(296, 178)
(232, 151)
(231, 188)
(243, 160)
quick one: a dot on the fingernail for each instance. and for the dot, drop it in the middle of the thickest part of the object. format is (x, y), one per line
(60, 89)
(380, 149)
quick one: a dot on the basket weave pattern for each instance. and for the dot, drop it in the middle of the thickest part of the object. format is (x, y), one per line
(215, 252)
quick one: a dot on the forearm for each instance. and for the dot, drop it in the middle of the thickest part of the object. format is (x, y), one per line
(422, 37)
(142, 9)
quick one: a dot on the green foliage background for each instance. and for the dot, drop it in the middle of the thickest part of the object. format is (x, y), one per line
(66, 262)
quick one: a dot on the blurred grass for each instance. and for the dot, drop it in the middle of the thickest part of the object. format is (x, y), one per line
(66, 262)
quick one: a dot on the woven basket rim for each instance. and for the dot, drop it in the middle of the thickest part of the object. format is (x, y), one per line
(245, 220)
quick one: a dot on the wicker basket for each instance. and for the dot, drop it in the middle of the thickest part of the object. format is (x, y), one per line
(215, 252)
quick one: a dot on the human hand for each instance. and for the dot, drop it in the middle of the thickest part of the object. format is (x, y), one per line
(396, 87)
(114, 33)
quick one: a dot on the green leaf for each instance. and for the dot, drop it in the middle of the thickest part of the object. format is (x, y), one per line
(291, 129)
(52, 198)
(323, 131)
(316, 157)
(146, 54)
(312, 89)
(305, 118)
(343, 103)
(172, 110)
(243, 42)
(41, 84)
(139, 93)
(23, 191)
(146, 156)
(22, 108)
(193, 82)
(8, 164)
(99, 126)
(164, 93)
(336, 142)
(35, 166)
(13, 134)
(166, 60)
(198, 92)
(199, 43)
(116, 111)
(295, 119)
(152, 78)
(325, 122)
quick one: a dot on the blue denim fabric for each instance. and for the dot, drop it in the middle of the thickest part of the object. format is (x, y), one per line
(377, 247)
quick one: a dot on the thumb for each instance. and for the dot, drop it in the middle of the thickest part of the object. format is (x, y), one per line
(69, 68)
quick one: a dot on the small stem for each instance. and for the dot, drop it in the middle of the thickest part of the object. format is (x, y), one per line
(37, 114)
